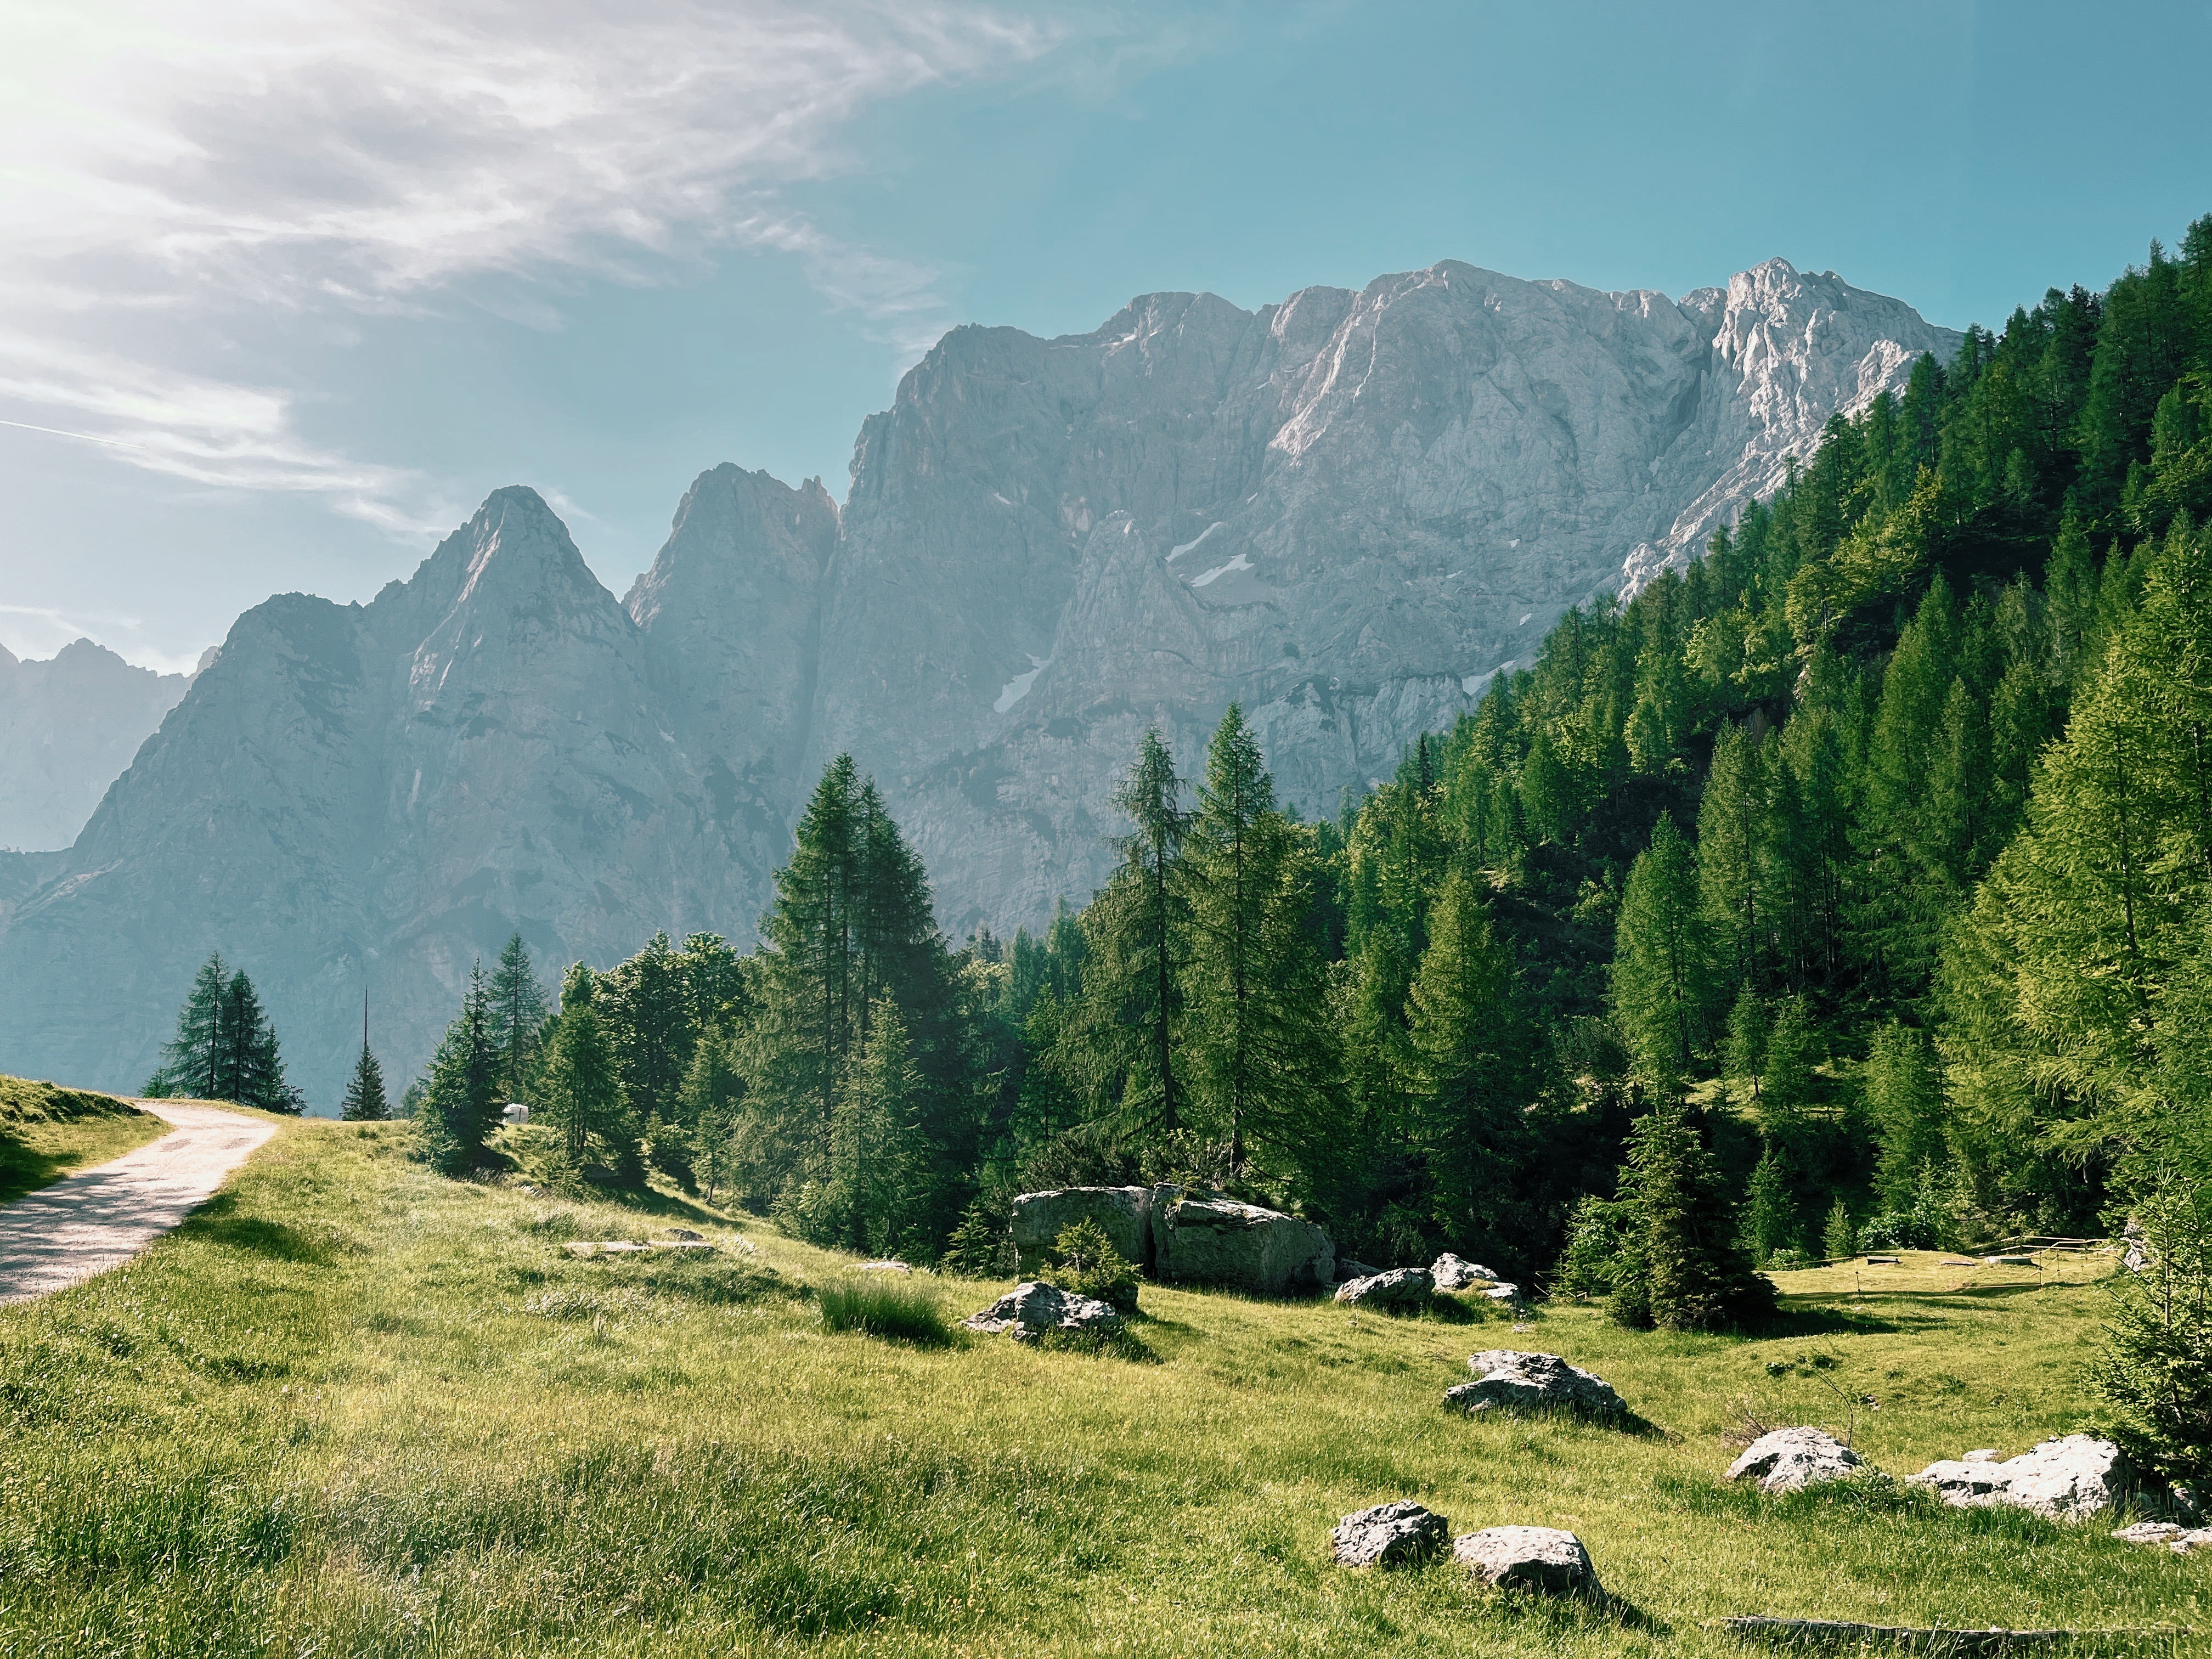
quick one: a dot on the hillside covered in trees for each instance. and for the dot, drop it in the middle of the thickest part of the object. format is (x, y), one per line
(1869, 858)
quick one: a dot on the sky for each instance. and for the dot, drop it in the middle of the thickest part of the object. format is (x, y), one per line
(288, 287)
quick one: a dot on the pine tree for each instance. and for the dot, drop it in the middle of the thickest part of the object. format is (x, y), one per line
(1743, 1051)
(862, 1195)
(2155, 1371)
(517, 1018)
(1734, 861)
(249, 1066)
(1662, 963)
(461, 1095)
(713, 1092)
(1787, 1082)
(192, 1061)
(645, 1005)
(979, 1247)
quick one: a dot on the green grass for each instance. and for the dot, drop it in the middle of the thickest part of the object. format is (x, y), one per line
(895, 1305)
(45, 1132)
(353, 1409)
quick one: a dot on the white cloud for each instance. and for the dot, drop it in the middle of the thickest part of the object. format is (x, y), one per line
(211, 161)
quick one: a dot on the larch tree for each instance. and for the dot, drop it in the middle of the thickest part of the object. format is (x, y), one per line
(1661, 976)
(518, 1017)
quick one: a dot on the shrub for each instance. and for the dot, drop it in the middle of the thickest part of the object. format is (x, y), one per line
(981, 1247)
(2155, 1372)
(1084, 1260)
(885, 1305)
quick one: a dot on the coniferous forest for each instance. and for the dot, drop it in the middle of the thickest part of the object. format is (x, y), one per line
(1851, 889)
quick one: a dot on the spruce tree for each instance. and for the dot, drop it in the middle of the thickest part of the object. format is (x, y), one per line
(1770, 1218)
(1734, 861)
(1473, 1073)
(250, 1065)
(581, 1083)
(714, 1090)
(1695, 1276)
(863, 1193)
(460, 1097)
(191, 1061)
(365, 1101)
(1839, 1239)
(1743, 1050)
(1904, 1098)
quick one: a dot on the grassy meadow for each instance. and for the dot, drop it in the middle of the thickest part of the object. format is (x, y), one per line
(45, 1132)
(351, 1408)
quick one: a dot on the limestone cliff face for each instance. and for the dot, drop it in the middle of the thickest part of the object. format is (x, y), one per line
(1346, 512)
(68, 725)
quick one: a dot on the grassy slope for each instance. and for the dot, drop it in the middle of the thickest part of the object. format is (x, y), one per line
(45, 1132)
(350, 1408)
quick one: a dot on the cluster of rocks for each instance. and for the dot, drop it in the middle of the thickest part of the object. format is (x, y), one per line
(1358, 1285)
(2070, 1478)
(1180, 1237)
(1510, 1381)
(1030, 1309)
(1540, 1558)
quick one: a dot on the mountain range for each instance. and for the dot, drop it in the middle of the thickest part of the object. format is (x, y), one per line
(1347, 512)
(68, 725)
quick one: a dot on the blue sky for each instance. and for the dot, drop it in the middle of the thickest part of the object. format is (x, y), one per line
(290, 287)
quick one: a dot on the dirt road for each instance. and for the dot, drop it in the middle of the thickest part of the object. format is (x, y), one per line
(86, 1223)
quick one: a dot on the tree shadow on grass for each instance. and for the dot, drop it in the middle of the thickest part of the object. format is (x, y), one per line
(1823, 1321)
(218, 1222)
(25, 1170)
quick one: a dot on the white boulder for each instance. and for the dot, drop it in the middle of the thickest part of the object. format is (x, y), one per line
(1387, 1534)
(1218, 1241)
(1540, 1558)
(1400, 1287)
(1534, 1382)
(1452, 1274)
(1028, 1311)
(1784, 1460)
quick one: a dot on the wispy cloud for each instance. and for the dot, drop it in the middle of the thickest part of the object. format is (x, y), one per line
(234, 158)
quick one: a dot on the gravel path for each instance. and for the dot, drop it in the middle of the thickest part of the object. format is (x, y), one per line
(86, 1223)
